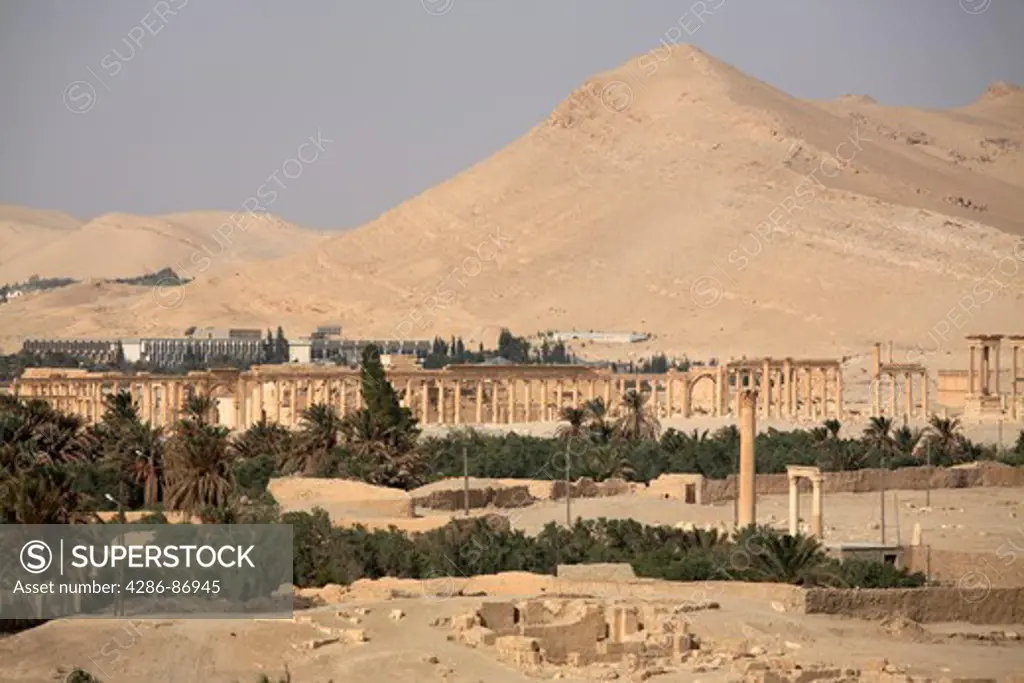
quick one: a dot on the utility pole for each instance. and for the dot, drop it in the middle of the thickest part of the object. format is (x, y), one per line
(928, 484)
(885, 472)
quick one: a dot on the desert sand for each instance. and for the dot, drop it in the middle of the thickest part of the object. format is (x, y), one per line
(649, 209)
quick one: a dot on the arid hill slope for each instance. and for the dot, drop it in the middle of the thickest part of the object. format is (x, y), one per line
(49, 244)
(644, 202)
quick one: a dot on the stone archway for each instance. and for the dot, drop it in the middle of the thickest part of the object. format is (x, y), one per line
(702, 397)
(224, 406)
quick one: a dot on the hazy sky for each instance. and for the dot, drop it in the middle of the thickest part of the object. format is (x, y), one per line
(124, 106)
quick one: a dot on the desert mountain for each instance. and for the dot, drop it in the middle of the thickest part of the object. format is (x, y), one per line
(673, 195)
(50, 244)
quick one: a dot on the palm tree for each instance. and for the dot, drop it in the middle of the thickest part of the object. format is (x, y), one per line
(198, 470)
(601, 430)
(606, 461)
(200, 407)
(878, 436)
(573, 428)
(263, 438)
(638, 421)
(833, 427)
(782, 558)
(943, 438)
(317, 439)
(906, 440)
(120, 407)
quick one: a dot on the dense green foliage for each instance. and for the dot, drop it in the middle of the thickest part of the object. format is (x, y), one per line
(469, 547)
(165, 277)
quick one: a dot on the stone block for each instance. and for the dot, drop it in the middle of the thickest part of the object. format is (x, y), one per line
(355, 635)
(500, 617)
(478, 635)
(517, 644)
(464, 622)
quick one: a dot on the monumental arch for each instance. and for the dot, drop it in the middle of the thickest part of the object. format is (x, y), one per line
(455, 395)
(795, 473)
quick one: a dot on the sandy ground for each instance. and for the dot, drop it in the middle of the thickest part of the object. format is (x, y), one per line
(974, 520)
(400, 651)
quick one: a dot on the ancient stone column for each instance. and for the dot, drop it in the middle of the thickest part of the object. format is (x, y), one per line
(591, 389)
(924, 395)
(278, 400)
(995, 380)
(747, 511)
(343, 391)
(794, 506)
(558, 400)
(909, 391)
(495, 390)
(817, 530)
(892, 395)
(786, 387)
(669, 381)
(479, 401)
(407, 402)
(824, 393)
(839, 393)
(528, 408)
(686, 396)
(544, 400)
(766, 387)
(425, 401)
(737, 395)
(440, 402)
(808, 393)
(458, 401)
(607, 394)
(510, 384)
(721, 392)
(1015, 367)
(970, 372)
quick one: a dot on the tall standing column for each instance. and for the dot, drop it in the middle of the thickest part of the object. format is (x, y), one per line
(669, 381)
(817, 529)
(495, 391)
(510, 383)
(892, 395)
(766, 387)
(277, 401)
(343, 398)
(528, 408)
(839, 393)
(909, 390)
(787, 387)
(686, 396)
(924, 395)
(607, 393)
(970, 372)
(479, 401)
(425, 401)
(794, 506)
(407, 402)
(1015, 367)
(747, 512)
(440, 402)
(824, 393)
(458, 401)
(808, 394)
(544, 413)
(997, 350)
(737, 397)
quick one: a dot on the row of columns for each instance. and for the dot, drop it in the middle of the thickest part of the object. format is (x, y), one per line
(158, 402)
(791, 391)
(911, 408)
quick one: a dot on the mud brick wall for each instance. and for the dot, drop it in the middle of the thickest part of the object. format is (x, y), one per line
(858, 481)
(996, 606)
(975, 571)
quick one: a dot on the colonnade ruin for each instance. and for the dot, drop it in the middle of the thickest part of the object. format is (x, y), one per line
(456, 395)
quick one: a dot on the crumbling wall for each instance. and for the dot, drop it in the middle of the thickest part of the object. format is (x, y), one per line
(479, 497)
(976, 606)
(874, 479)
(995, 570)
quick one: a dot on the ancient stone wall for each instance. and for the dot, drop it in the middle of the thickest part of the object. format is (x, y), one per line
(995, 606)
(859, 481)
(500, 497)
(977, 571)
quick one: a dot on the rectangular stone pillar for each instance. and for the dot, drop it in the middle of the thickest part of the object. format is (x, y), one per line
(669, 407)
(747, 509)
(458, 401)
(892, 395)
(824, 393)
(787, 388)
(997, 351)
(607, 393)
(909, 399)
(808, 394)
(425, 402)
(528, 408)
(739, 391)
(839, 393)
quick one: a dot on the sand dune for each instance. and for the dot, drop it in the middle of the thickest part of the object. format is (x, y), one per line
(674, 195)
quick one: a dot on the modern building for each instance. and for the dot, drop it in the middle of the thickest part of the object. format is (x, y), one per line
(326, 345)
(93, 350)
(201, 345)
